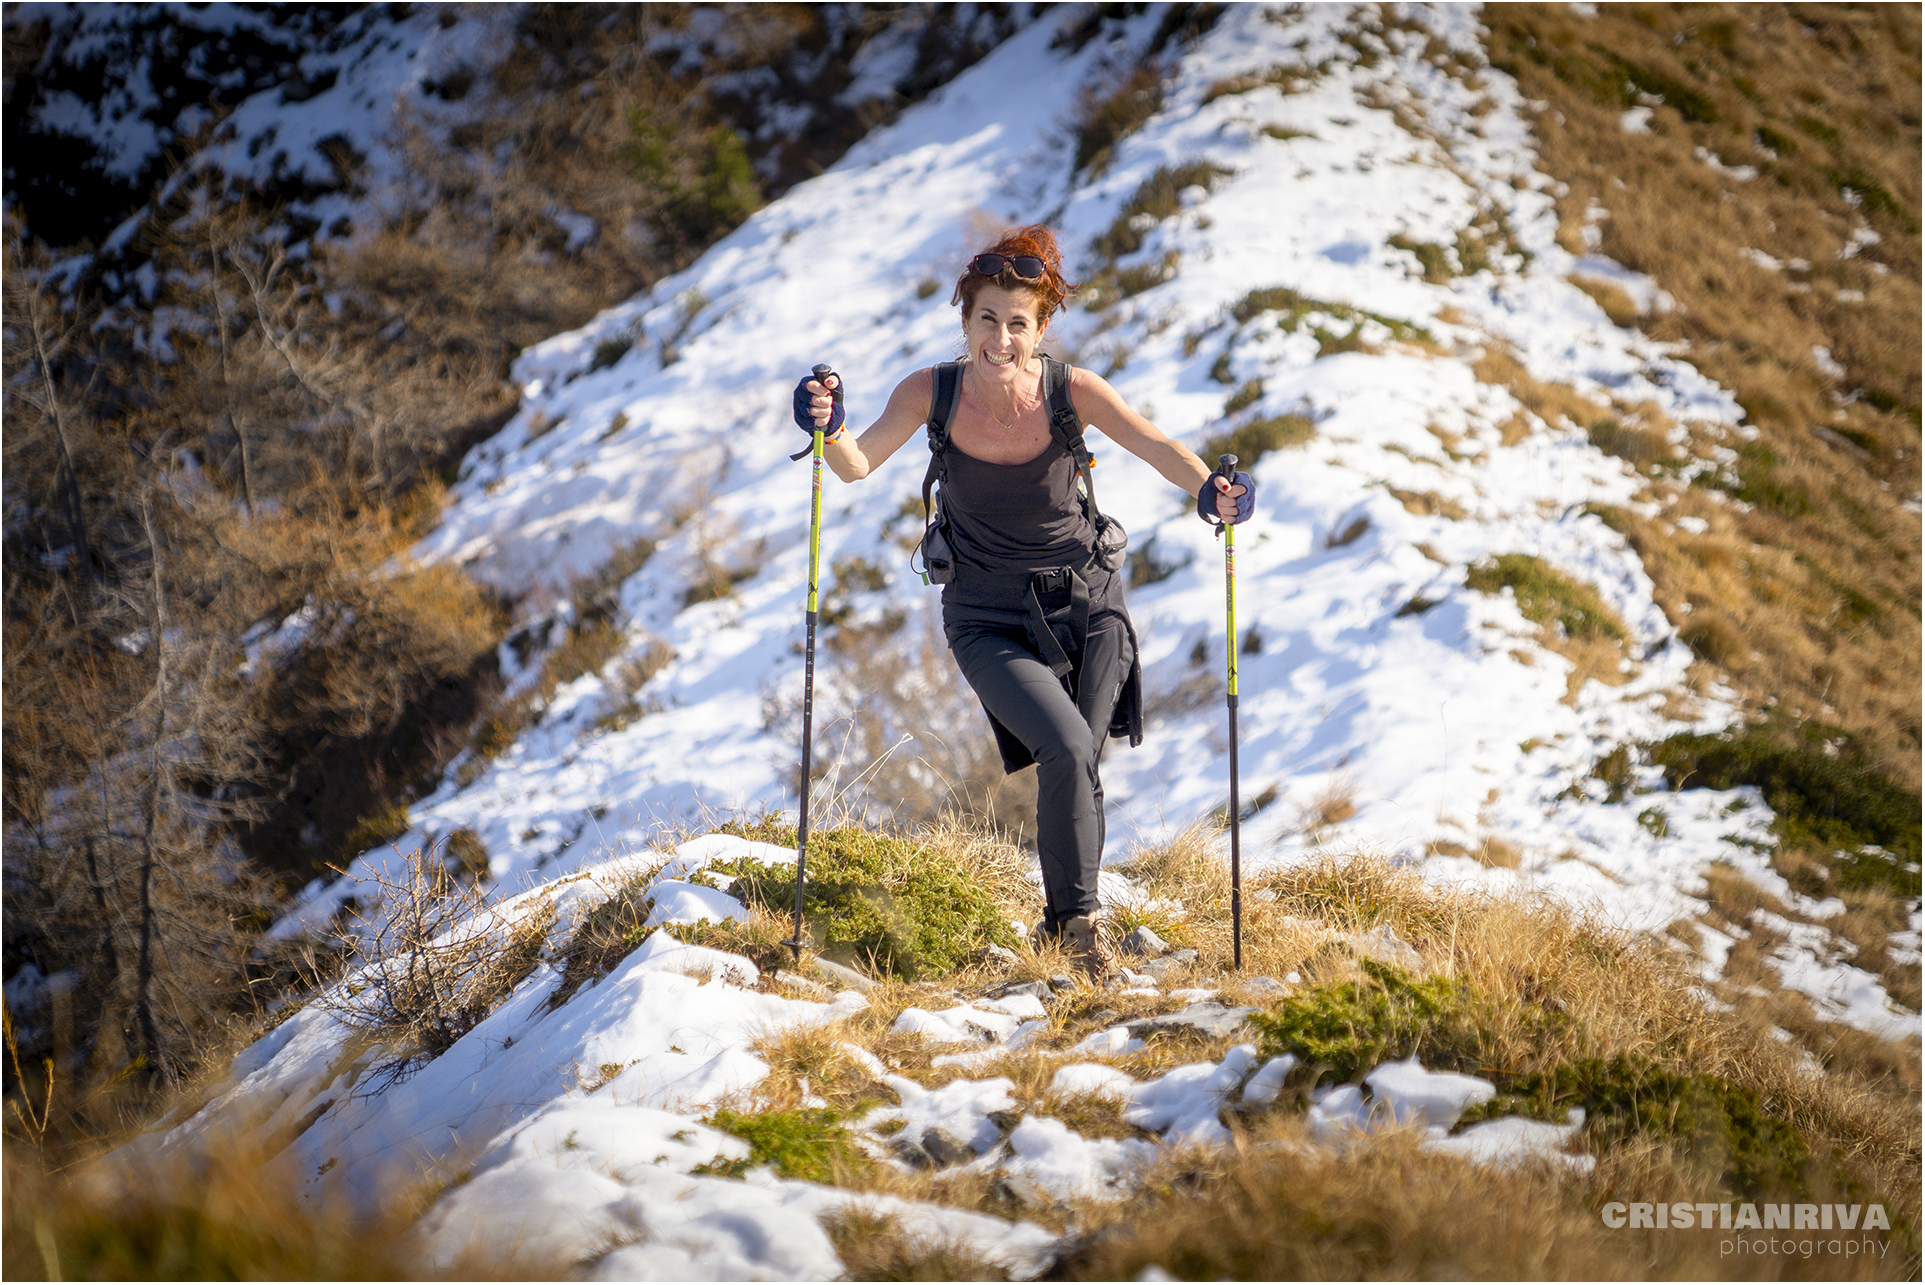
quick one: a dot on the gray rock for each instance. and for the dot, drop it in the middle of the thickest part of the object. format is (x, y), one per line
(945, 1148)
(1384, 945)
(1141, 941)
(1018, 1189)
(1159, 968)
(1106, 1018)
(1035, 990)
(1061, 982)
(1263, 985)
(1184, 956)
(1006, 1119)
(803, 986)
(841, 975)
(1001, 954)
(1208, 1017)
(910, 1152)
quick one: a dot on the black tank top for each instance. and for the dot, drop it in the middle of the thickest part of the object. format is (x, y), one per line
(1013, 519)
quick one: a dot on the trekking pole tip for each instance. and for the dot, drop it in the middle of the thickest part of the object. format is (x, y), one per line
(1228, 463)
(822, 370)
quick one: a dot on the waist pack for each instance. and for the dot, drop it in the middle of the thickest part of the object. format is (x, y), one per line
(935, 550)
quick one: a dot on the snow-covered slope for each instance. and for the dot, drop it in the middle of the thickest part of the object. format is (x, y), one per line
(1445, 726)
(578, 1124)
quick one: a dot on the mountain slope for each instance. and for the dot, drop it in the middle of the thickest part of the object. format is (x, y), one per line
(1397, 696)
(1328, 245)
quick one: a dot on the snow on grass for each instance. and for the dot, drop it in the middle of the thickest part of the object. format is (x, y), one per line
(1449, 724)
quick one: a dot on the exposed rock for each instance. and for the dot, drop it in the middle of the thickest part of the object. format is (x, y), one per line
(1036, 990)
(1018, 1189)
(1123, 977)
(1061, 982)
(945, 1148)
(1209, 1017)
(841, 975)
(1141, 941)
(1000, 955)
(1384, 945)
(1262, 985)
(802, 986)
(1161, 968)
(1006, 1119)
(910, 1152)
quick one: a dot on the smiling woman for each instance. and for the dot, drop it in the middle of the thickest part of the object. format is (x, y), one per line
(1032, 603)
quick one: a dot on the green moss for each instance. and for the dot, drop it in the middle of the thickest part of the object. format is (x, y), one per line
(1545, 596)
(888, 903)
(809, 1144)
(1252, 441)
(1718, 1125)
(1347, 1028)
(1826, 802)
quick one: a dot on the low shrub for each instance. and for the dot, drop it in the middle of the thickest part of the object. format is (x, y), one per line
(1720, 1127)
(1348, 1028)
(890, 903)
(1830, 802)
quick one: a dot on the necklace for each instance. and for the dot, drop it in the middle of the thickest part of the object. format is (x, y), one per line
(1015, 404)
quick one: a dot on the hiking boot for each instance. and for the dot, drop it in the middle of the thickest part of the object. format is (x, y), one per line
(1079, 940)
(1044, 935)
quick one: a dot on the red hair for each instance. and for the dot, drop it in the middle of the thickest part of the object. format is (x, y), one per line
(1052, 289)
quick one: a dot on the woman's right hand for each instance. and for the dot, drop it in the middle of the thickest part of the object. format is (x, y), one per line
(818, 405)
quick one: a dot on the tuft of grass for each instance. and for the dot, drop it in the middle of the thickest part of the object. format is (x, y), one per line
(893, 904)
(875, 1246)
(1285, 79)
(219, 1218)
(1296, 309)
(809, 1144)
(1157, 198)
(1252, 440)
(1106, 115)
(1545, 597)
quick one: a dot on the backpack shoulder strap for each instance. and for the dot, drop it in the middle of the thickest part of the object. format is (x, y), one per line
(944, 395)
(1065, 425)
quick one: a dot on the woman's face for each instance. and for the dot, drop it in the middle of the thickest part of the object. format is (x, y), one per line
(1003, 331)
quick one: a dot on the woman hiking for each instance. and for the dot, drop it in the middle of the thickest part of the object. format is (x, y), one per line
(1032, 599)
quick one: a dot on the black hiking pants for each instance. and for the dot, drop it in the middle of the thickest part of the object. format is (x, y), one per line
(1061, 723)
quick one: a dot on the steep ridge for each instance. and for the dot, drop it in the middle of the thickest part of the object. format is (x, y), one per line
(1444, 642)
(1411, 680)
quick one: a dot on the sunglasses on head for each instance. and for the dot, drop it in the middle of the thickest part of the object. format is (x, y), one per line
(1027, 266)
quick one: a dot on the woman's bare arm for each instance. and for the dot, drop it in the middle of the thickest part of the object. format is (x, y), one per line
(854, 458)
(1103, 407)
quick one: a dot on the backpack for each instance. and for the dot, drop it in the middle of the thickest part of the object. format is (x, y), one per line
(1065, 428)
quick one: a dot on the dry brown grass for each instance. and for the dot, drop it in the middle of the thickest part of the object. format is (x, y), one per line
(1820, 577)
(1279, 1208)
(210, 1217)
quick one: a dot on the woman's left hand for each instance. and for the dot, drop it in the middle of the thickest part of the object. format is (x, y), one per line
(1227, 500)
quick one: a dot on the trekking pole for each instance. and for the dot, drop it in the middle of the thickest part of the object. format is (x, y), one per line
(808, 675)
(1227, 468)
